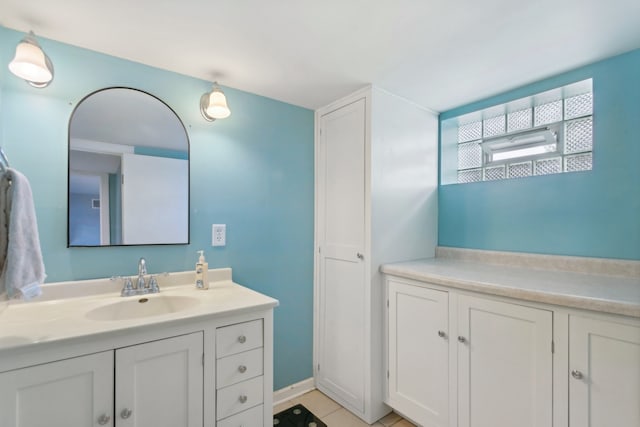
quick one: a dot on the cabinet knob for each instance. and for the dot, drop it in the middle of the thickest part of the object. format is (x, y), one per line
(441, 334)
(577, 374)
(360, 256)
(462, 339)
(126, 413)
(242, 398)
(242, 369)
(104, 419)
(242, 339)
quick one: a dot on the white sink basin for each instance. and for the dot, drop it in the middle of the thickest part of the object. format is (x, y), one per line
(142, 306)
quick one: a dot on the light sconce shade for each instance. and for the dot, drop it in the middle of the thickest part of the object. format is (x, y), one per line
(213, 105)
(31, 63)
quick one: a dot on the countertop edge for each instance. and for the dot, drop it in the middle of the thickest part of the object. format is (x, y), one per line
(557, 299)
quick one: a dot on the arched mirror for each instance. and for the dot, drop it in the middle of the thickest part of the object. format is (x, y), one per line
(128, 171)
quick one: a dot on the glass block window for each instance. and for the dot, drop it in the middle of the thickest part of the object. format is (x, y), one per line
(469, 155)
(547, 133)
(470, 132)
(493, 126)
(550, 112)
(519, 120)
(578, 136)
(548, 166)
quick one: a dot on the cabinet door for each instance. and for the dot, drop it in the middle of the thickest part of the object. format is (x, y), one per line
(604, 364)
(419, 353)
(74, 392)
(342, 293)
(504, 364)
(160, 383)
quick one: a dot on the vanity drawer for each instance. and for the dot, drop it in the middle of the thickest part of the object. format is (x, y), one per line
(238, 338)
(239, 397)
(248, 418)
(238, 367)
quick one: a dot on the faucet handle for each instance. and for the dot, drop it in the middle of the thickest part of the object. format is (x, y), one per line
(153, 285)
(127, 288)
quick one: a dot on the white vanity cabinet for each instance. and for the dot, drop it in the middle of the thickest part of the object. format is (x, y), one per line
(156, 384)
(76, 392)
(160, 383)
(604, 365)
(472, 359)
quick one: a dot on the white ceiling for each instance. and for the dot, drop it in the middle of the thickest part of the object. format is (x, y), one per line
(438, 53)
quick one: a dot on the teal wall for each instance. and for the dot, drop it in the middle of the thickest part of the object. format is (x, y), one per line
(594, 213)
(252, 171)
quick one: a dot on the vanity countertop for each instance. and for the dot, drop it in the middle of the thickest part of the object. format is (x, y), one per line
(54, 318)
(608, 294)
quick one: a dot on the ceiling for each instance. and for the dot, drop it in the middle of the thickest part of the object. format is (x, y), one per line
(437, 53)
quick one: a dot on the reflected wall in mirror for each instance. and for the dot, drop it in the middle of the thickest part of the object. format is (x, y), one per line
(128, 171)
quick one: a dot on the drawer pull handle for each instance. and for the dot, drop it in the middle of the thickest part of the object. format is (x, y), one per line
(242, 369)
(242, 339)
(577, 374)
(104, 419)
(242, 398)
(126, 413)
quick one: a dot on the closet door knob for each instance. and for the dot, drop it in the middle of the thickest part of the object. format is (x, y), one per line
(462, 339)
(360, 256)
(104, 419)
(126, 413)
(577, 374)
(441, 334)
(242, 339)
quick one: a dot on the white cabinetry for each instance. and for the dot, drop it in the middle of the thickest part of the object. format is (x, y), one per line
(604, 364)
(419, 353)
(239, 368)
(457, 359)
(504, 364)
(376, 182)
(76, 392)
(160, 383)
(156, 384)
(207, 373)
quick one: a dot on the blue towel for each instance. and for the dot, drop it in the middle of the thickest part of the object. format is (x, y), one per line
(20, 253)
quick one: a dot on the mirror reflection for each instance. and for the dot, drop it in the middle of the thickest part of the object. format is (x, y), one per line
(128, 171)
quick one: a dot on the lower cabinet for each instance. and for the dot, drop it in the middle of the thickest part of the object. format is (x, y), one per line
(464, 359)
(419, 353)
(492, 368)
(160, 383)
(505, 364)
(156, 384)
(75, 392)
(604, 364)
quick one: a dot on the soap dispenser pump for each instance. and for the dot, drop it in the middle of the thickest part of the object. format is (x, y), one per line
(202, 268)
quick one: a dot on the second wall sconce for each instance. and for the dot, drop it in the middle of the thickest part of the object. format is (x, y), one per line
(213, 105)
(31, 63)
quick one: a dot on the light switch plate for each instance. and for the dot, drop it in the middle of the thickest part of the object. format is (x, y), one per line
(218, 234)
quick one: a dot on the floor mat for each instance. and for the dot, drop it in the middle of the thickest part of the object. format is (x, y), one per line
(297, 416)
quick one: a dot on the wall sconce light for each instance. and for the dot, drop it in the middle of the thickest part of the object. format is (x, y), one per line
(213, 105)
(31, 63)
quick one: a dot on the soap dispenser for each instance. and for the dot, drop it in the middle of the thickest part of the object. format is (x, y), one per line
(202, 268)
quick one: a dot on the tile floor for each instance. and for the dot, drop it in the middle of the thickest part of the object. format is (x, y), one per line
(334, 415)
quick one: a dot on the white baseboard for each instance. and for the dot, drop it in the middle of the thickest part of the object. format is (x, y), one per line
(293, 391)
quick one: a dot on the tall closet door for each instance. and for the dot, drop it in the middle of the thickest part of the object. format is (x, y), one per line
(341, 225)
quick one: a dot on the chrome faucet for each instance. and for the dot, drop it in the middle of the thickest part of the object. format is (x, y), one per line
(141, 285)
(140, 281)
